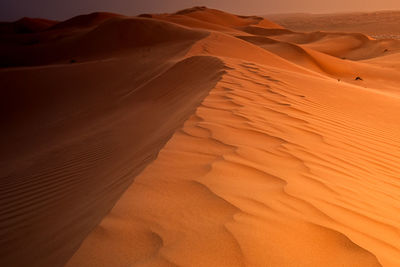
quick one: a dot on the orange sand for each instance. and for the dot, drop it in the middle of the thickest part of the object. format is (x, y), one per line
(278, 156)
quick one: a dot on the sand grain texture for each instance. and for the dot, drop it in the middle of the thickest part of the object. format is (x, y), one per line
(206, 139)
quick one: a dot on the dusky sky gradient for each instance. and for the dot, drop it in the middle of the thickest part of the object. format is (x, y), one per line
(64, 9)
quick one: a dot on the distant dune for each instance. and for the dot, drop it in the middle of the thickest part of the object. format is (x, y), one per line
(380, 24)
(26, 25)
(198, 138)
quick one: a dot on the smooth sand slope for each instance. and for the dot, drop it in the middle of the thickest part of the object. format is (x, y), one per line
(278, 155)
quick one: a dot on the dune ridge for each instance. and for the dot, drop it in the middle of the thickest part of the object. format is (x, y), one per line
(263, 194)
(71, 149)
(199, 138)
(25, 25)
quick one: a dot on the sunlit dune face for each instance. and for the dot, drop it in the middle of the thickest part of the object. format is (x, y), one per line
(200, 137)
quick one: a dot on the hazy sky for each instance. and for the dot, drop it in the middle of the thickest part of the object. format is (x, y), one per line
(63, 9)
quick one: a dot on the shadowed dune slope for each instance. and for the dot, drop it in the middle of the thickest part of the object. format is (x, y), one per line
(25, 25)
(281, 165)
(198, 138)
(84, 21)
(77, 134)
(113, 36)
(275, 168)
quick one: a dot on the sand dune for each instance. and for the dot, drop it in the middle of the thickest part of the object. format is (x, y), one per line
(115, 36)
(212, 19)
(25, 25)
(379, 24)
(198, 138)
(226, 200)
(72, 148)
(85, 21)
(352, 46)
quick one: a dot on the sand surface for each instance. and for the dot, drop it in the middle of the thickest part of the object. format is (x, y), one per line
(199, 138)
(379, 24)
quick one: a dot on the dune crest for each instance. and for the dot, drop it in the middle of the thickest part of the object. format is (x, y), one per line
(72, 148)
(198, 138)
(25, 26)
(85, 21)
